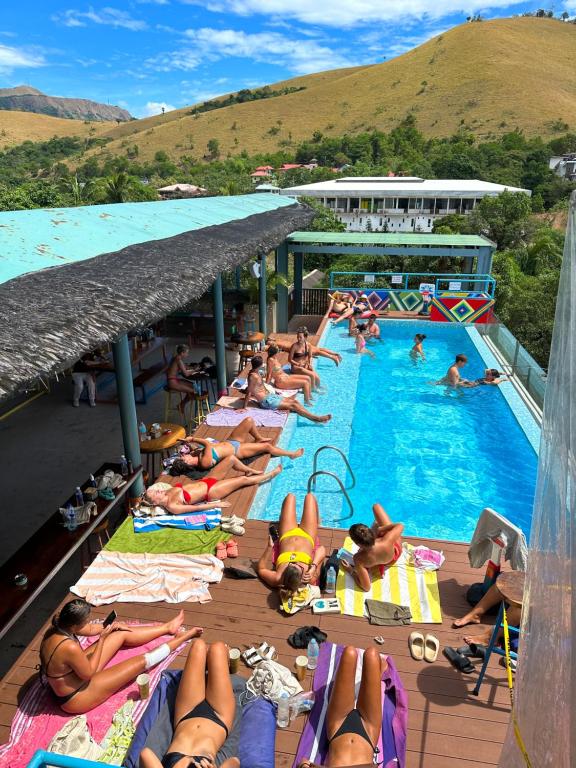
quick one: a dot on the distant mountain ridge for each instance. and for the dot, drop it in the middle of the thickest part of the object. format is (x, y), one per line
(24, 98)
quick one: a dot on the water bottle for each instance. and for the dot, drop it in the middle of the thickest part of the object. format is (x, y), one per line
(283, 713)
(79, 496)
(71, 521)
(130, 467)
(92, 482)
(313, 653)
(330, 581)
(142, 430)
(123, 466)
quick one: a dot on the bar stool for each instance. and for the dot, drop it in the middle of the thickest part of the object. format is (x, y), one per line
(511, 585)
(173, 400)
(99, 537)
(244, 357)
(200, 408)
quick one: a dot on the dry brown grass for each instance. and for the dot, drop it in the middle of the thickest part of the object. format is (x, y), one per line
(16, 127)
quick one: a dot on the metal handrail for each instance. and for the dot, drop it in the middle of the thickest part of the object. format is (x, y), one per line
(342, 454)
(312, 481)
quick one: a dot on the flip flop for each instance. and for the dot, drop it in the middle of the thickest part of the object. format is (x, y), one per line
(221, 551)
(416, 645)
(267, 652)
(431, 648)
(232, 548)
(251, 657)
(379, 639)
(235, 529)
(473, 651)
(458, 661)
(232, 520)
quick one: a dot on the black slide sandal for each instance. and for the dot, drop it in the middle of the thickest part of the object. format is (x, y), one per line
(458, 661)
(473, 651)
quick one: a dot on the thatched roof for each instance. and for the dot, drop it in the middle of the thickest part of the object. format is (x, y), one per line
(50, 317)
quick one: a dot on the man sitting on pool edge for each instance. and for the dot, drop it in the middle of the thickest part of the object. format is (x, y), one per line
(380, 545)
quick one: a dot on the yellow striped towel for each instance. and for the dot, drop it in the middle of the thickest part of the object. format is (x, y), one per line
(401, 584)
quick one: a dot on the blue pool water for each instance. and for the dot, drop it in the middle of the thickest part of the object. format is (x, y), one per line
(433, 457)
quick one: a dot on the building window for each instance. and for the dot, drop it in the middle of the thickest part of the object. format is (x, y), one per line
(360, 219)
(429, 222)
(354, 203)
(411, 222)
(380, 221)
(390, 202)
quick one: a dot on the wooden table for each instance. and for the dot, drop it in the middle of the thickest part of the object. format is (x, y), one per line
(252, 340)
(47, 550)
(161, 445)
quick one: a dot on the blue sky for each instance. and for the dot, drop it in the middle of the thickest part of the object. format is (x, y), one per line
(145, 54)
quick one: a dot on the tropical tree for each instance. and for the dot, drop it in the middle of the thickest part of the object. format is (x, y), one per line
(503, 219)
(79, 192)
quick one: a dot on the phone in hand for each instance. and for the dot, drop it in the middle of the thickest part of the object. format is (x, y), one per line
(109, 619)
(273, 531)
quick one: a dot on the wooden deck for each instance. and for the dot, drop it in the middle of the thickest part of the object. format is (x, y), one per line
(448, 728)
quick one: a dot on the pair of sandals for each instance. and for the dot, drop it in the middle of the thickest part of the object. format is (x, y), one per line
(252, 657)
(226, 549)
(233, 524)
(460, 657)
(423, 647)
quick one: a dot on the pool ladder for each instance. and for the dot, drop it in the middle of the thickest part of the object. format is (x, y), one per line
(316, 472)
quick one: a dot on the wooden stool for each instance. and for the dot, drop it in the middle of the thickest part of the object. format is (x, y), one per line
(99, 536)
(244, 357)
(511, 585)
(200, 408)
(173, 400)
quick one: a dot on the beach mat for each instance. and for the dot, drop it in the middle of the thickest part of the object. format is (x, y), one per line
(227, 417)
(164, 542)
(401, 584)
(313, 744)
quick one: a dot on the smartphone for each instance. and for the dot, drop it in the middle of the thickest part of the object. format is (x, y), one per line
(109, 619)
(273, 531)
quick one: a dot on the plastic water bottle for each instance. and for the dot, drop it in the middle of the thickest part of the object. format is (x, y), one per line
(142, 430)
(313, 653)
(123, 466)
(283, 713)
(79, 496)
(71, 521)
(330, 580)
(92, 482)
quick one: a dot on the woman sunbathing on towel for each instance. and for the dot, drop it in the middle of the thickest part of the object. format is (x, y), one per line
(237, 447)
(199, 495)
(379, 545)
(285, 346)
(353, 726)
(77, 677)
(339, 303)
(297, 556)
(358, 307)
(277, 376)
(270, 402)
(300, 357)
(203, 712)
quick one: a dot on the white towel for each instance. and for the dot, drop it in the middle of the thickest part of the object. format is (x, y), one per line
(490, 525)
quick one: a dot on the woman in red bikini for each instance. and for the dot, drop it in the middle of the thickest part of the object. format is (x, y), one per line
(379, 545)
(198, 495)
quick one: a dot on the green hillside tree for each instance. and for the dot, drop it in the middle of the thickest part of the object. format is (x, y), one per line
(503, 219)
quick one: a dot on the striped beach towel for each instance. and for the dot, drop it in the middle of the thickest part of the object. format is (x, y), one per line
(313, 743)
(144, 578)
(402, 584)
(204, 522)
(38, 717)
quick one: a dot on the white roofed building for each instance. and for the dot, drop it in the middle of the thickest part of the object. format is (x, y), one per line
(398, 203)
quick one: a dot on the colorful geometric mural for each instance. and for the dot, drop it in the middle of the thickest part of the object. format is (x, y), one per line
(406, 301)
(454, 309)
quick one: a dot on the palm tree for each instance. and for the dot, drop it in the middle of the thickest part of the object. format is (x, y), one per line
(117, 187)
(79, 191)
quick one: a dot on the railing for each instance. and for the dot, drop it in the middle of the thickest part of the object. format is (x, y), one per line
(519, 361)
(314, 301)
(403, 281)
(341, 453)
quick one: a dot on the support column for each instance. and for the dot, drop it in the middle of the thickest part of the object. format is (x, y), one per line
(238, 275)
(282, 291)
(262, 303)
(219, 340)
(298, 269)
(127, 404)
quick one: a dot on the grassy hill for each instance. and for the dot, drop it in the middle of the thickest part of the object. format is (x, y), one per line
(492, 76)
(16, 127)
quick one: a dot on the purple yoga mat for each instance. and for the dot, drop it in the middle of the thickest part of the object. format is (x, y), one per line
(392, 743)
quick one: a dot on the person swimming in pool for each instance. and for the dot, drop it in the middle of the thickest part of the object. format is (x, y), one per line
(245, 442)
(452, 377)
(271, 401)
(372, 328)
(380, 544)
(417, 350)
(492, 376)
(360, 342)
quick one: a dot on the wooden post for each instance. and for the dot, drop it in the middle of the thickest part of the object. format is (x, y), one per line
(282, 291)
(127, 404)
(298, 270)
(219, 340)
(262, 303)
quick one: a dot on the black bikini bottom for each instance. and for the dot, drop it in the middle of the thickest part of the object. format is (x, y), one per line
(352, 723)
(65, 699)
(205, 711)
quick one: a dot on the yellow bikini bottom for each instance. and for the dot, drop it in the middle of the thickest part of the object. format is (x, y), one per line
(295, 557)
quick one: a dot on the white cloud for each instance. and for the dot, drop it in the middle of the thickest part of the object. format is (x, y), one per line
(15, 58)
(297, 55)
(350, 13)
(155, 108)
(112, 17)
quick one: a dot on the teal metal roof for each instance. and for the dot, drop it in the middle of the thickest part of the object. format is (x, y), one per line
(389, 238)
(49, 237)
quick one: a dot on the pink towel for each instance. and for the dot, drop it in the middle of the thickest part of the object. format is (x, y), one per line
(39, 718)
(225, 417)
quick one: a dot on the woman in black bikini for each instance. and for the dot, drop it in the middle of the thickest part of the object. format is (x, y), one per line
(203, 712)
(353, 725)
(300, 358)
(77, 677)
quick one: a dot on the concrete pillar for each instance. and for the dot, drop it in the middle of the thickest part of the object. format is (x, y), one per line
(219, 340)
(298, 270)
(282, 291)
(127, 405)
(262, 303)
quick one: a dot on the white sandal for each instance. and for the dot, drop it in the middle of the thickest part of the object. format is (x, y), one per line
(232, 520)
(251, 657)
(267, 652)
(233, 528)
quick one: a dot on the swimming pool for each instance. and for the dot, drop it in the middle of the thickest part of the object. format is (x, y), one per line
(432, 456)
